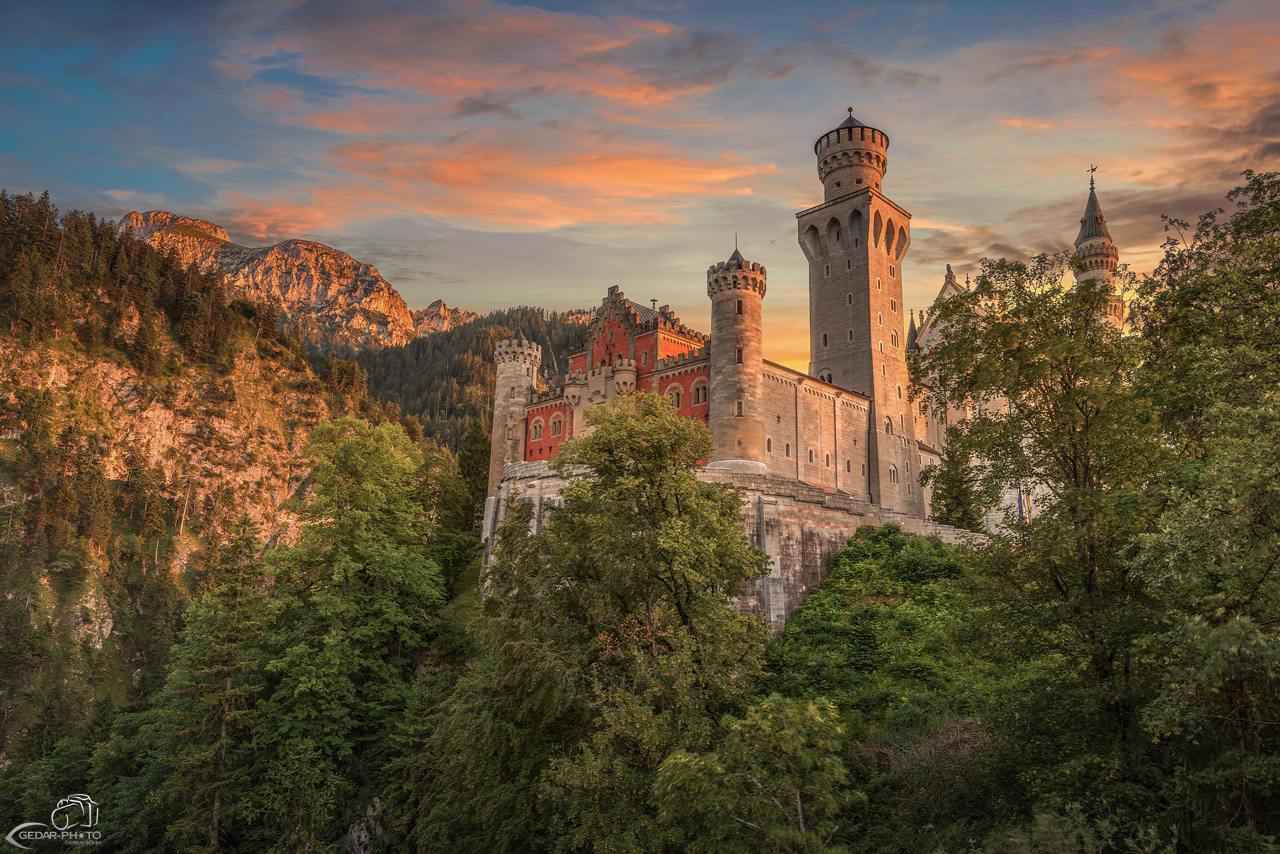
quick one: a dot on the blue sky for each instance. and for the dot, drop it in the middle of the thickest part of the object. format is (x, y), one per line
(492, 154)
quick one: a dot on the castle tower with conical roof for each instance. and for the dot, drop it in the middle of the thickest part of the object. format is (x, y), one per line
(736, 288)
(1098, 255)
(855, 241)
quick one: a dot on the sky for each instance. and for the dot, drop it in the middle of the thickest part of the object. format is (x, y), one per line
(493, 154)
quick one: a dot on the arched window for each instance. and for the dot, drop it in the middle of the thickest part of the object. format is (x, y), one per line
(824, 339)
(848, 466)
(811, 456)
(828, 461)
(604, 362)
(893, 338)
(768, 446)
(893, 305)
(893, 474)
(788, 449)
(888, 425)
(881, 346)
(899, 392)
(825, 376)
(537, 431)
(850, 299)
(557, 427)
(879, 318)
(674, 396)
(850, 334)
(877, 283)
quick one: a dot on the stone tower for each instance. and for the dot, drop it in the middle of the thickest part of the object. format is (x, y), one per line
(1096, 250)
(517, 361)
(736, 288)
(855, 241)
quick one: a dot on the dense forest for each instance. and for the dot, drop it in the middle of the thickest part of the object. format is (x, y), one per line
(446, 379)
(1102, 678)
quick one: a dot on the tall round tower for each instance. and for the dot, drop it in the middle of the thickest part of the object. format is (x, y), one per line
(517, 361)
(1098, 253)
(736, 288)
(851, 157)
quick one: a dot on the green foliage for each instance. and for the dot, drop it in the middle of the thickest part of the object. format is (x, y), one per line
(611, 644)
(775, 784)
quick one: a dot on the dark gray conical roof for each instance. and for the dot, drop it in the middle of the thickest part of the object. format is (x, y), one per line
(1093, 223)
(736, 258)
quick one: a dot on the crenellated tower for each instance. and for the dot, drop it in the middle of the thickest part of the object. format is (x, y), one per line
(516, 361)
(736, 288)
(1098, 255)
(855, 242)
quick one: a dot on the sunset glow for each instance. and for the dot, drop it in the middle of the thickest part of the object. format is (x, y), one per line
(491, 154)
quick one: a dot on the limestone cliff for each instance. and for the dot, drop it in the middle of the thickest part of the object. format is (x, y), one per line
(438, 317)
(337, 301)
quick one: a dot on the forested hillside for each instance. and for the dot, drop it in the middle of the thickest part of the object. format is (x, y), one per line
(324, 673)
(446, 378)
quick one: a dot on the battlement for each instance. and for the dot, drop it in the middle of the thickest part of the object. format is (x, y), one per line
(681, 359)
(736, 274)
(851, 157)
(518, 349)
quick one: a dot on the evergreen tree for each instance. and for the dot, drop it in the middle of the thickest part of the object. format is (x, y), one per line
(208, 708)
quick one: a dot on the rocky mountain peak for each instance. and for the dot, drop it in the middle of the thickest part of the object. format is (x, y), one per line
(337, 301)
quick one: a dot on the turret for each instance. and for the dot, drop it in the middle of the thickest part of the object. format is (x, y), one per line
(1098, 254)
(516, 361)
(736, 288)
(851, 157)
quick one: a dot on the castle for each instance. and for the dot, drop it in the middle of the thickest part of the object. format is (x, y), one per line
(815, 455)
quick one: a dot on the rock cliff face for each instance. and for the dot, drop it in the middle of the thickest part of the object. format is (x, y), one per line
(336, 300)
(438, 317)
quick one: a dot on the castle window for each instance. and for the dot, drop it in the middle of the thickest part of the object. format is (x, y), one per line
(848, 466)
(513, 392)
(768, 446)
(850, 299)
(537, 431)
(848, 265)
(855, 240)
(699, 394)
(888, 425)
(739, 355)
(850, 334)
(893, 304)
(877, 283)
(881, 346)
(811, 456)
(893, 271)
(644, 357)
(788, 449)
(604, 362)
(828, 269)
(739, 409)
(880, 318)
(674, 395)
(864, 468)
(610, 336)
(899, 392)
(511, 433)
(902, 424)
(828, 461)
(557, 427)
(884, 371)
(893, 474)
(825, 376)
(837, 230)
(739, 306)
(893, 338)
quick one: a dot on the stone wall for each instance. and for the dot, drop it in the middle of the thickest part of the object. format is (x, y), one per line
(799, 526)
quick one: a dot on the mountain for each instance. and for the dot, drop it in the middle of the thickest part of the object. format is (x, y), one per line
(336, 301)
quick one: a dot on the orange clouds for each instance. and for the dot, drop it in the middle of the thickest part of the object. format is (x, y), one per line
(516, 183)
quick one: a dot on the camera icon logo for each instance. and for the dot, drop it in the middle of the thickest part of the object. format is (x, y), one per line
(74, 811)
